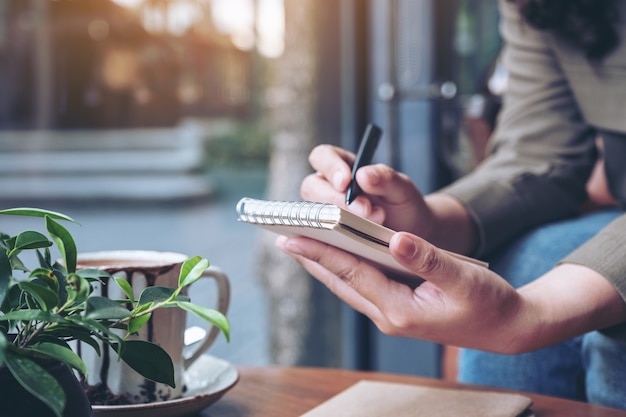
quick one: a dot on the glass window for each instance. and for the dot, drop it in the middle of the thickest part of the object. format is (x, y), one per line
(140, 119)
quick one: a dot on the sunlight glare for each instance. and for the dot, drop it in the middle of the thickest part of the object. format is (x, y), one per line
(128, 3)
(233, 17)
(271, 27)
(236, 17)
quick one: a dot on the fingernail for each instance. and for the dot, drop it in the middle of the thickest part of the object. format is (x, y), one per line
(280, 242)
(406, 247)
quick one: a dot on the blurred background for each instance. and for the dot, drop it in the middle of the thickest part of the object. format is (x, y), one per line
(147, 120)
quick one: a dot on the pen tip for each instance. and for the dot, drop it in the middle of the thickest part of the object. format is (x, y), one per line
(349, 198)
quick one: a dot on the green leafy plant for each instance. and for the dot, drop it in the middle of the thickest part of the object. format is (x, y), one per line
(43, 309)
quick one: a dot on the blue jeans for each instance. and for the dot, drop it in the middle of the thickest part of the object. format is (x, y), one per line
(591, 367)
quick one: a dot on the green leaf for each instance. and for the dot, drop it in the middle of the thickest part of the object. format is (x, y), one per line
(93, 273)
(62, 280)
(37, 381)
(12, 299)
(37, 212)
(47, 276)
(45, 298)
(9, 243)
(63, 354)
(48, 336)
(138, 322)
(32, 315)
(141, 308)
(17, 264)
(45, 260)
(208, 314)
(149, 360)
(105, 308)
(64, 242)
(31, 240)
(4, 344)
(126, 288)
(192, 270)
(5, 275)
(78, 288)
(72, 331)
(158, 295)
(98, 329)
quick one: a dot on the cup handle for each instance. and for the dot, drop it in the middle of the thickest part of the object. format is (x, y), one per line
(223, 300)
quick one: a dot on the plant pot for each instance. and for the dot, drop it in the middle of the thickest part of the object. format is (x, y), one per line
(17, 402)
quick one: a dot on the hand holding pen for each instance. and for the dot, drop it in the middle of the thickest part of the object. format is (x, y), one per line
(364, 156)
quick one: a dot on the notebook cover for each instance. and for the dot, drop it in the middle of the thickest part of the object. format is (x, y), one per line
(378, 399)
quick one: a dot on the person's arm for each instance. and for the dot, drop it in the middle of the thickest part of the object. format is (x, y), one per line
(460, 303)
(567, 301)
(542, 151)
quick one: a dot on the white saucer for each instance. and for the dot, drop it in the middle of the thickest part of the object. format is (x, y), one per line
(206, 381)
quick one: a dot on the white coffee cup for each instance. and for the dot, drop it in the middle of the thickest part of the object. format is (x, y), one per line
(165, 328)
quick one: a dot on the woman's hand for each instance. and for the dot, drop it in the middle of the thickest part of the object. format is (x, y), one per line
(461, 303)
(390, 198)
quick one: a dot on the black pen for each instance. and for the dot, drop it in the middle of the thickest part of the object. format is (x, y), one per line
(364, 156)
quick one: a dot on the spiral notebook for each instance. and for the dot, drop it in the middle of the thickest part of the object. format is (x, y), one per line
(327, 223)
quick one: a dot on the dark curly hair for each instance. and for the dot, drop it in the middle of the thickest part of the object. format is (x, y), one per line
(590, 25)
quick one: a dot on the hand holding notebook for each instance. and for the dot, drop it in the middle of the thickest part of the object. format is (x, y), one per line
(329, 224)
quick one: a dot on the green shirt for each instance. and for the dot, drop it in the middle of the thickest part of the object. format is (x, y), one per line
(543, 149)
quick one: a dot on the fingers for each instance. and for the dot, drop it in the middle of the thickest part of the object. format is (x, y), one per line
(403, 205)
(332, 176)
(452, 275)
(386, 191)
(391, 186)
(345, 275)
(331, 179)
(315, 187)
(472, 288)
(334, 164)
(459, 302)
(389, 304)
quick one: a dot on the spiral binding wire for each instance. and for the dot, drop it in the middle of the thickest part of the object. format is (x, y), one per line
(290, 213)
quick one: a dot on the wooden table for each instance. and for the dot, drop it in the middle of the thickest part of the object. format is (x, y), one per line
(290, 392)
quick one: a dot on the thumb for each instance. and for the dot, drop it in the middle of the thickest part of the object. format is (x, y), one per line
(427, 261)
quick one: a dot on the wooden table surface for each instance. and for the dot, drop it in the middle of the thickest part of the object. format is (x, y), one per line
(290, 392)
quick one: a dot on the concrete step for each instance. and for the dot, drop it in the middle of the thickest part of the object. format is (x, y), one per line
(36, 162)
(122, 164)
(135, 188)
(130, 150)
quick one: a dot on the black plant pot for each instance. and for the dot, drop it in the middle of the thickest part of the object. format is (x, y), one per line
(15, 401)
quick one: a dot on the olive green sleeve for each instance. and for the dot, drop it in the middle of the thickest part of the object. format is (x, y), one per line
(605, 253)
(542, 151)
